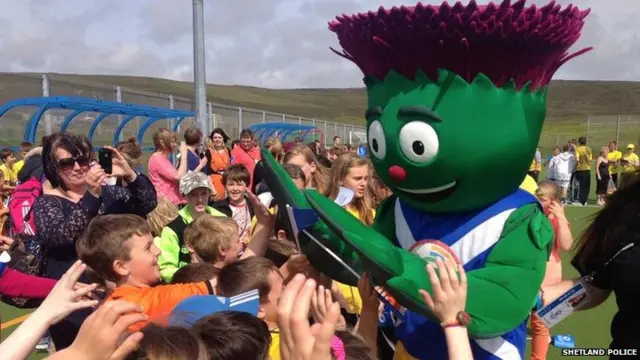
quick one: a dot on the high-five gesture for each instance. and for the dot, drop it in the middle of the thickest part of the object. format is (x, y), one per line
(66, 297)
(448, 302)
(101, 333)
(449, 293)
(298, 339)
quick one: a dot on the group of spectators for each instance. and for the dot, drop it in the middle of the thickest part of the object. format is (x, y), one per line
(195, 260)
(573, 167)
(192, 261)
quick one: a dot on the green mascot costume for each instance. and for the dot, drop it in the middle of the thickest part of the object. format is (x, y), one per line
(456, 104)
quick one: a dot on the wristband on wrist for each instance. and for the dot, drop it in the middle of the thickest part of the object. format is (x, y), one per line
(462, 320)
(450, 324)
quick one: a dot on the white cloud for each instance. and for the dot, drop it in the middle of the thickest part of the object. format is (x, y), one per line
(273, 43)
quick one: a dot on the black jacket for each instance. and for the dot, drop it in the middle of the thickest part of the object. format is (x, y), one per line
(32, 168)
(224, 207)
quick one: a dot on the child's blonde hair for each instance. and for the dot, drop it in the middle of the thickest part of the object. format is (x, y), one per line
(131, 152)
(548, 188)
(320, 176)
(339, 171)
(274, 145)
(207, 234)
(164, 213)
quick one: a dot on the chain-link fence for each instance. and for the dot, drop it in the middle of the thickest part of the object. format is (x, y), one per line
(231, 119)
(599, 129)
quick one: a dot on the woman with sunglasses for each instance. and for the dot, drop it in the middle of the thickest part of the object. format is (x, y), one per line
(77, 196)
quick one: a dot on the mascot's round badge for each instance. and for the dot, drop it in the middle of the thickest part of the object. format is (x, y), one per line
(432, 250)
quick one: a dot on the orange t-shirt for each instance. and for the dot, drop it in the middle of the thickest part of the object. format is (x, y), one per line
(219, 162)
(158, 301)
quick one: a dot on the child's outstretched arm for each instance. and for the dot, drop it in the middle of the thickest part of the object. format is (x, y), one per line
(563, 235)
(448, 300)
(65, 298)
(367, 326)
(264, 227)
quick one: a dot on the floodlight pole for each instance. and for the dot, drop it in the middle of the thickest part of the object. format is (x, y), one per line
(199, 68)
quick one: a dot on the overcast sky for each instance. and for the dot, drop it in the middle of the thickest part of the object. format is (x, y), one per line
(267, 43)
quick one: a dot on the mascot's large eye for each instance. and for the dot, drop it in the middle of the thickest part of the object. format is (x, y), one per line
(377, 143)
(419, 141)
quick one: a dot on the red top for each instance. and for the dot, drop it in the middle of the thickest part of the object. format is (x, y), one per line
(247, 158)
(16, 284)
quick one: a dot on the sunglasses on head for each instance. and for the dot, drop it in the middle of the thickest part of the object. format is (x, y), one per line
(70, 162)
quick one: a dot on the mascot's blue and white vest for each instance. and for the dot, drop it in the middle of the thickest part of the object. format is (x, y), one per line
(471, 236)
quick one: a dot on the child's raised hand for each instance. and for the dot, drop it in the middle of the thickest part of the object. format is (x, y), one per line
(263, 216)
(68, 295)
(5, 243)
(449, 296)
(370, 300)
(557, 210)
(299, 340)
(297, 264)
(100, 334)
(320, 303)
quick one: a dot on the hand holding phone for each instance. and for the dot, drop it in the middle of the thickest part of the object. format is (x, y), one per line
(105, 160)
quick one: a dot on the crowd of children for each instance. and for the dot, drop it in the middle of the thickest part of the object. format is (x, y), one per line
(213, 272)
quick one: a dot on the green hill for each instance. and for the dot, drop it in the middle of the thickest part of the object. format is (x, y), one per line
(568, 100)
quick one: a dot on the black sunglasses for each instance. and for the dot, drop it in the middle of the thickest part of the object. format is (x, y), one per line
(70, 162)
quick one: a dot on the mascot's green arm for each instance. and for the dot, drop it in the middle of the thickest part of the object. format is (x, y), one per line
(500, 295)
(503, 292)
(286, 192)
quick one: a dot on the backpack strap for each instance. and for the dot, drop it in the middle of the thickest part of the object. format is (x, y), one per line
(178, 225)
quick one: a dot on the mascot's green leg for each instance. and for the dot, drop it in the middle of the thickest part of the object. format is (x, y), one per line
(500, 295)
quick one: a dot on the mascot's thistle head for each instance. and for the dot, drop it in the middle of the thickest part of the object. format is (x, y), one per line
(457, 94)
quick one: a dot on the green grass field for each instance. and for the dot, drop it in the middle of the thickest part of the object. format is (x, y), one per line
(590, 329)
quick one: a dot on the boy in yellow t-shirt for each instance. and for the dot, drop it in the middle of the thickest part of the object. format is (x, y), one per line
(256, 273)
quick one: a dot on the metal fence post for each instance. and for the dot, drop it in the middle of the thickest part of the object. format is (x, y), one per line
(239, 121)
(618, 129)
(264, 117)
(284, 118)
(299, 120)
(588, 126)
(212, 118)
(172, 122)
(325, 134)
(119, 99)
(46, 90)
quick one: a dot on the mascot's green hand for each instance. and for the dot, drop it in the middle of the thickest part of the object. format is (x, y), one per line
(365, 241)
(400, 272)
(286, 192)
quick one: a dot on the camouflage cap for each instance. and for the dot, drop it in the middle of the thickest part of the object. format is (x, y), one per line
(193, 180)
